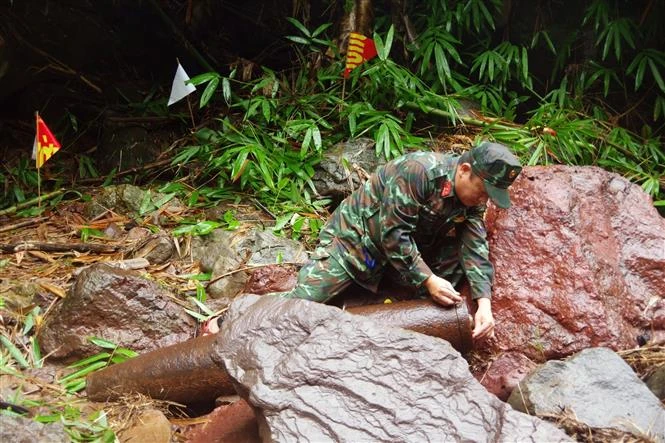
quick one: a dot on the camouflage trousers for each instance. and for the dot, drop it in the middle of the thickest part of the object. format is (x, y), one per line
(323, 278)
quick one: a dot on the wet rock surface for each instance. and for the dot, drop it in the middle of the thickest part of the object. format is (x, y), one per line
(116, 305)
(505, 373)
(25, 430)
(579, 262)
(273, 278)
(599, 388)
(315, 373)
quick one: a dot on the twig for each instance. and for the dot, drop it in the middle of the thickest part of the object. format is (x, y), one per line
(263, 207)
(180, 36)
(57, 247)
(133, 170)
(22, 224)
(60, 66)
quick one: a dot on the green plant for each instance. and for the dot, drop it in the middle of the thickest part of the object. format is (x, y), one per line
(88, 233)
(75, 381)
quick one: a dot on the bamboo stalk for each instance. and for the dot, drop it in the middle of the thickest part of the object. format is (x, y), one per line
(22, 224)
(57, 247)
(31, 202)
(466, 120)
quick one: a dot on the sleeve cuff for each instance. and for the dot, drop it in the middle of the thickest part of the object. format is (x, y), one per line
(419, 272)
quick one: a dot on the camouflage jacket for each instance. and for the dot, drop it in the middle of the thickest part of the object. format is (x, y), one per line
(402, 212)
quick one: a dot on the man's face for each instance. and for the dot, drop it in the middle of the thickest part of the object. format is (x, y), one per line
(469, 188)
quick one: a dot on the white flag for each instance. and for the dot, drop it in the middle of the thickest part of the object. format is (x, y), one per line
(34, 149)
(180, 89)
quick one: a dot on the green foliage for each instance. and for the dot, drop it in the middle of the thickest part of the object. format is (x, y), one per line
(437, 48)
(75, 381)
(18, 181)
(286, 120)
(66, 408)
(651, 61)
(203, 312)
(583, 71)
(88, 233)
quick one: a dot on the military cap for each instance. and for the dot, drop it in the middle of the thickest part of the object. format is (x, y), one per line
(498, 167)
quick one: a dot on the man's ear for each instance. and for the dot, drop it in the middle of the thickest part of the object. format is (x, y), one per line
(465, 167)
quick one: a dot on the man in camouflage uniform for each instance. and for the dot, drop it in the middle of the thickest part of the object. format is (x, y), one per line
(421, 214)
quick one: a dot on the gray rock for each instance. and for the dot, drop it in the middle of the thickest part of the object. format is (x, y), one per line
(344, 166)
(127, 199)
(222, 252)
(116, 305)
(598, 387)
(316, 373)
(24, 430)
(20, 296)
(157, 249)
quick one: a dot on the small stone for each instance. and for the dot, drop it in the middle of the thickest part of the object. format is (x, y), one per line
(150, 426)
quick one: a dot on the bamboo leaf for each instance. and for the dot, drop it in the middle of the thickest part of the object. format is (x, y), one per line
(226, 90)
(14, 352)
(302, 28)
(105, 344)
(81, 372)
(656, 75)
(91, 359)
(208, 92)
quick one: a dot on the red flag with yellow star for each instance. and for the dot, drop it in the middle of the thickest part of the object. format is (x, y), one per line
(45, 143)
(360, 50)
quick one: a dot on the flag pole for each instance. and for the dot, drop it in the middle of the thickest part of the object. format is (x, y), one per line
(191, 114)
(39, 178)
(189, 104)
(341, 104)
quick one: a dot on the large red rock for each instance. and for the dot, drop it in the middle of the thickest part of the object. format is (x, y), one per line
(580, 262)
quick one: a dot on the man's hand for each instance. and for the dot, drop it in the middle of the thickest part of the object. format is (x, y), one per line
(442, 291)
(483, 320)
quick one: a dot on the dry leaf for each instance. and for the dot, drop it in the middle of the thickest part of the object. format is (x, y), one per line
(176, 243)
(53, 289)
(42, 232)
(42, 255)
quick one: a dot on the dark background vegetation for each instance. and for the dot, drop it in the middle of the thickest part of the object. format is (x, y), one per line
(100, 73)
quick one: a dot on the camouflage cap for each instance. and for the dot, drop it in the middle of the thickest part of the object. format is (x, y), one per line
(498, 168)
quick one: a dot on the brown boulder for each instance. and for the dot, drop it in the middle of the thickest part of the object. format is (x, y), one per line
(116, 305)
(579, 261)
(271, 278)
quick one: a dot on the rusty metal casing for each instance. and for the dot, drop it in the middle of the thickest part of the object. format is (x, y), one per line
(185, 373)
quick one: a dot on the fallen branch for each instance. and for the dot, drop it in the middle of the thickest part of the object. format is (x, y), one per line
(22, 224)
(57, 247)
